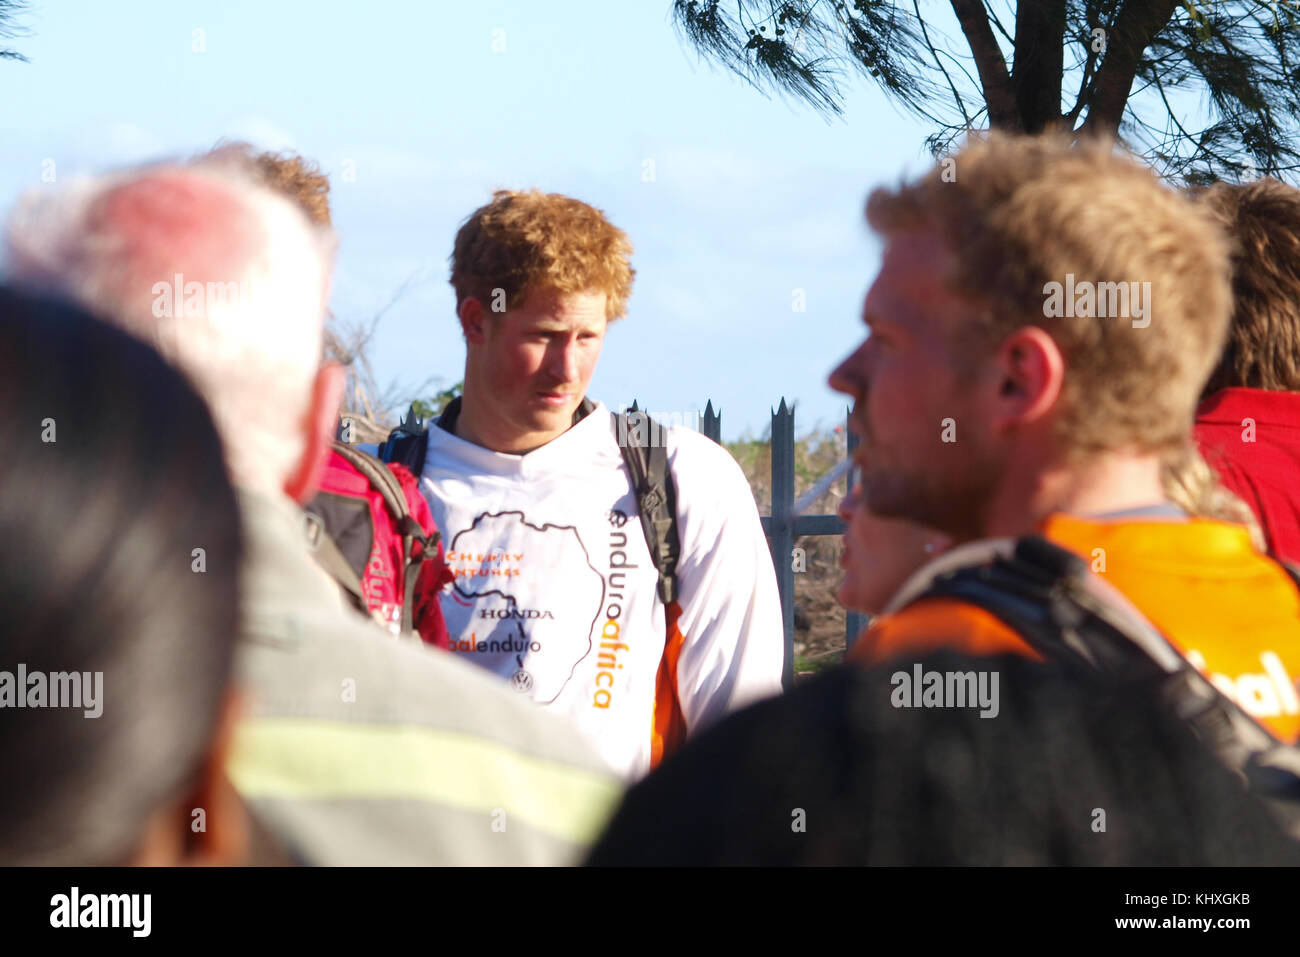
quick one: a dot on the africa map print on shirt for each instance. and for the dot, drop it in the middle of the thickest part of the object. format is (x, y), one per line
(499, 615)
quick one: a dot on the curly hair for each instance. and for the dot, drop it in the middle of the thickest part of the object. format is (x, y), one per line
(289, 174)
(522, 241)
(299, 180)
(1263, 221)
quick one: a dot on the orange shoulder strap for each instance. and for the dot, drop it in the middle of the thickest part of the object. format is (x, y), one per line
(668, 730)
(934, 624)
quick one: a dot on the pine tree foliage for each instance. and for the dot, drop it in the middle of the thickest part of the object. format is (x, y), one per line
(1138, 70)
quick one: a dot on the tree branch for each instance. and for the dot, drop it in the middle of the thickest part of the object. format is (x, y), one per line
(1084, 87)
(998, 92)
(1039, 62)
(935, 53)
(1135, 27)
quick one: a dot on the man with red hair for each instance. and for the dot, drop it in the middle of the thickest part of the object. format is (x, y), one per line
(634, 595)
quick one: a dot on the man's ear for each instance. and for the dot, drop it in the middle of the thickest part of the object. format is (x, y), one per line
(321, 426)
(1031, 373)
(473, 320)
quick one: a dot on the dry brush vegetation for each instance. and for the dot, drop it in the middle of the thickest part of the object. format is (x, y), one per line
(818, 617)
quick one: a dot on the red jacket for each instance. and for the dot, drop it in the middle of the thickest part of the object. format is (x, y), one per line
(1251, 438)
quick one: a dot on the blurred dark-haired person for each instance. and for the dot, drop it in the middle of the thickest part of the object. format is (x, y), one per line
(1248, 423)
(119, 558)
(355, 750)
(1045, 769)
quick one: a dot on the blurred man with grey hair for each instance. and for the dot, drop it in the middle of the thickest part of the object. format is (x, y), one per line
(356, 749)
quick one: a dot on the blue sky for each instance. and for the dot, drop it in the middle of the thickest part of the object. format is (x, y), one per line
(751, 199)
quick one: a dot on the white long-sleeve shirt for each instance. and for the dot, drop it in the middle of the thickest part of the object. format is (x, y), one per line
(555, 589)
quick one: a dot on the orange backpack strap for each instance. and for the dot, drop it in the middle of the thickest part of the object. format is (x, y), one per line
(937, 624)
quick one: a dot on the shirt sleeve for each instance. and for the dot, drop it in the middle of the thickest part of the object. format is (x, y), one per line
(733, 647)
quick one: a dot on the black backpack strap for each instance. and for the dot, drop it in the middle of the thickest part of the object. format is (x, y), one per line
(412, 533)
(656, 494)
(1048, 596)
(379, 477)
(328, 556)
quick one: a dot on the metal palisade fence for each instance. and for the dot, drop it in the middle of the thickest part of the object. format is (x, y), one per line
(786, 523)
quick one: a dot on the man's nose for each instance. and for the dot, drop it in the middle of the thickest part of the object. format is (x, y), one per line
(848, 376)
(563, 364)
